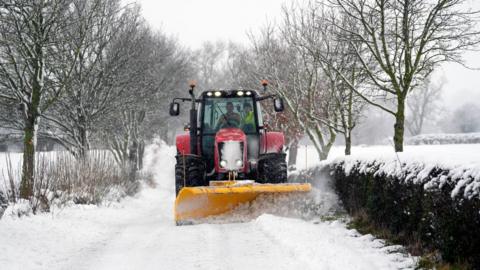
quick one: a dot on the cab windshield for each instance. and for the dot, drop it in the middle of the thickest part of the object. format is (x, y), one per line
(235, 112)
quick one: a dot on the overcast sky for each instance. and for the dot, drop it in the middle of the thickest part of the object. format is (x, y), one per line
(194, 22)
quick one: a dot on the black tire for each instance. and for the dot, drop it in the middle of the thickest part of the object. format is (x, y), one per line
(189, 172)
(272, 168)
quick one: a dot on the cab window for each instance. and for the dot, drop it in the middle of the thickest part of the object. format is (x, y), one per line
(228, 112)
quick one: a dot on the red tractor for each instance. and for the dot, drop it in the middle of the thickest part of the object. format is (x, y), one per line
(228, 140)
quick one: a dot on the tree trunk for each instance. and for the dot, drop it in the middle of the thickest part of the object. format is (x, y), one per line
(141, 152)
(326, 149)
(399, 127)
(292, 155)
(348, 144)
(31, 114)
(84, 143)
(28, 167)
(83, 138)
(318, 140)
(134, 148)
(133, 160)
(349, 126)
(331, 140)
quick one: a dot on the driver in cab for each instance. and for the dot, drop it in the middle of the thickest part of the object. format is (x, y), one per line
(230, 119)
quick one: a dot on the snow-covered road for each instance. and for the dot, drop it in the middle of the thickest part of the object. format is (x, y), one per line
(139, 233)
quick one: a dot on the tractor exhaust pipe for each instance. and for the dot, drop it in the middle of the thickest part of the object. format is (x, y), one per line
(193, 121)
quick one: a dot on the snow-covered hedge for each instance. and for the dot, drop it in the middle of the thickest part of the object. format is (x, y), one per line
(455, 138)
(435, 205)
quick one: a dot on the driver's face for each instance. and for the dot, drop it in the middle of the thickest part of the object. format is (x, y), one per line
(230, 108)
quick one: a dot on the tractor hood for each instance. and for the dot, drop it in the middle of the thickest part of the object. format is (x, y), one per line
(230, 134)
(230, 150)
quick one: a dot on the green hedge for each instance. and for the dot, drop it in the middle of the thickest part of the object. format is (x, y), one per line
(431, 216)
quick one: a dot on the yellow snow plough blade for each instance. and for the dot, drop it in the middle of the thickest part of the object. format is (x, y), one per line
(222, 196)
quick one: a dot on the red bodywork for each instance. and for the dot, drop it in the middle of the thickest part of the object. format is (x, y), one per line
(183, 144)
(270, 142)
(230, 134)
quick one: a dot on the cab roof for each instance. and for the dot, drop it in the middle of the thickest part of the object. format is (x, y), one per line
(230, 93)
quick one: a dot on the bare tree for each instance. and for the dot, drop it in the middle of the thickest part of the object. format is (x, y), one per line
(210, 64)
(407, 39)
(423, 104)
(30, 36)
(95, 88)
(311, 28)
(307, 30)
(295, 74)
(155, 74)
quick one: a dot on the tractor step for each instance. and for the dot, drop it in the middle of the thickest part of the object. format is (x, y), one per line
(223, 196)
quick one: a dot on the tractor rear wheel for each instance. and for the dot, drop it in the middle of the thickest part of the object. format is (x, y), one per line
(272, 168)
(189, 172)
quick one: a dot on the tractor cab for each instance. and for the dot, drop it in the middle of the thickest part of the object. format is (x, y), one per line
(223, 114)
(230, 109)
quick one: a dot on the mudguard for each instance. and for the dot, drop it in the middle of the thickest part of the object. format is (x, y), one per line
(183, 144)
(272, 142)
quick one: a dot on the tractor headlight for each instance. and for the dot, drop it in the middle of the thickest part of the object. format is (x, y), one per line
(239, 163)
(209, 94)
(248, 93)
(218, 93)
(223, 163)
(240, 93)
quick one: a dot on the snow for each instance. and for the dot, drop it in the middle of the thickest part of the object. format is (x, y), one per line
(21, 208)
(334, 248)
(139, 233)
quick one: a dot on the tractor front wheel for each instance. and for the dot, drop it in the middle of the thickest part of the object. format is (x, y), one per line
(189, 172)
(272, 168)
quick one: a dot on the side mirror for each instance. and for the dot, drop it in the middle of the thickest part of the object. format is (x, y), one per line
(278, 104)
(174, 109)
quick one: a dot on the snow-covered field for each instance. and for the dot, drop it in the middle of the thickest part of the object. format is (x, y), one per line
(139, 233)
